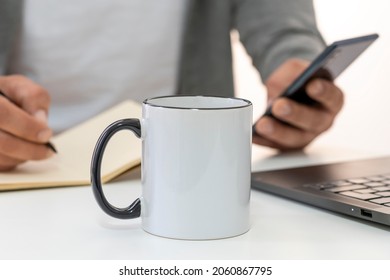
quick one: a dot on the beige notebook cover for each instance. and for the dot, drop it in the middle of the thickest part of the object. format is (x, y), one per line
(71, 166)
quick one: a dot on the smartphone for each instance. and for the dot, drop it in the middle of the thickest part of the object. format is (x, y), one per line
(328, 65)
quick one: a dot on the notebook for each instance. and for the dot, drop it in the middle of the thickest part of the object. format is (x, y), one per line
(71, 165)
(359, 188)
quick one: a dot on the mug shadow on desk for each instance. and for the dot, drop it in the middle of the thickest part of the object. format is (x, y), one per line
(117, 224)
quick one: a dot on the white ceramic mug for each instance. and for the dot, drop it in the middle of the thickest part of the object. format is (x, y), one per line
(196, 167)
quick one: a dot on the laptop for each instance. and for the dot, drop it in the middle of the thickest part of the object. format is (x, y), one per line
(359, 188)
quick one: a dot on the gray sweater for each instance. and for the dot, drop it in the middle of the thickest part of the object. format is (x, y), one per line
(271, 31)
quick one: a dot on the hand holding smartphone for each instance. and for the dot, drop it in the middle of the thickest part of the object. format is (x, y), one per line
(328, 65)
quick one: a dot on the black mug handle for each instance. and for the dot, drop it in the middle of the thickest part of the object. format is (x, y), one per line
(132, 211)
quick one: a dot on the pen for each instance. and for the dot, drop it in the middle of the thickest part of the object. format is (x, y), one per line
(48, 144)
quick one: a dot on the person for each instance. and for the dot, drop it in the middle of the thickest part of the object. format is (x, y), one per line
(78, 59)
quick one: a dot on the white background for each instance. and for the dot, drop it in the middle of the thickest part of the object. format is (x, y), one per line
(364, 122)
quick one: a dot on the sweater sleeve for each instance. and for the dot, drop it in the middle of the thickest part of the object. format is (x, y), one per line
(10, 18)
(275, 30)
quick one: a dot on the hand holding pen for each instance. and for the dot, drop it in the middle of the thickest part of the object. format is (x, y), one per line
(24, 132)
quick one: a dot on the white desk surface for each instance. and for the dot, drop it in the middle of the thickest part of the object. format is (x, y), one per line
(66, 223)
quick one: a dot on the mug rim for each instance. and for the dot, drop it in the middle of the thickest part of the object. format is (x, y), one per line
(247, 102)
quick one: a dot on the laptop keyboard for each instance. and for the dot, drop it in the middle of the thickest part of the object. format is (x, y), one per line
(375, 189)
